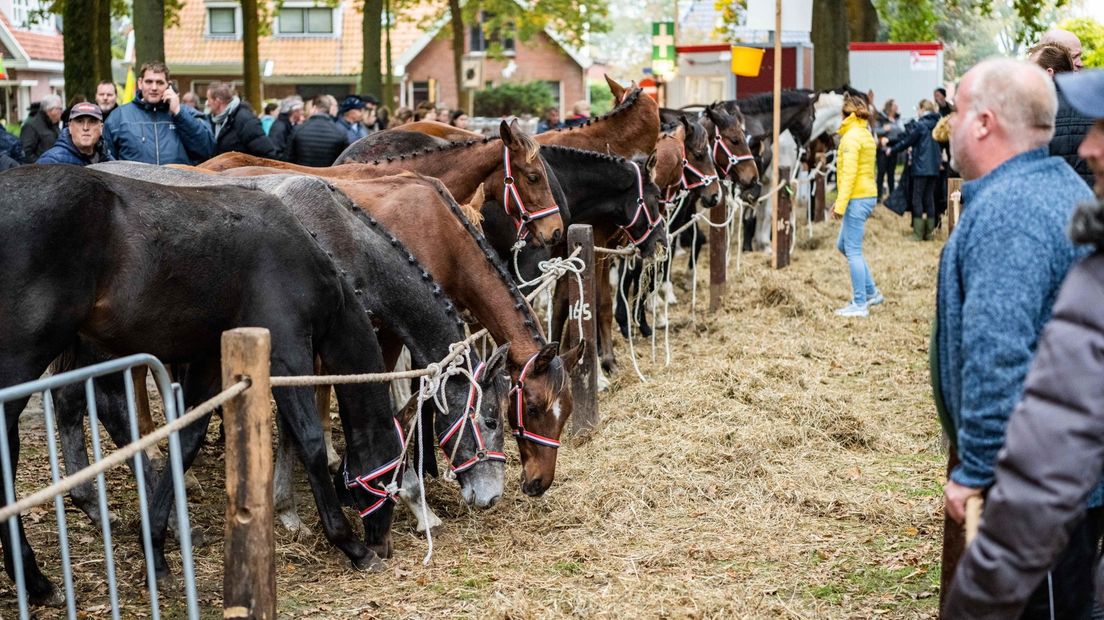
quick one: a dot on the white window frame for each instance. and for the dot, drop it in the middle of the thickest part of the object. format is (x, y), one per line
(238, 27)
(336, 14)
(21, 10)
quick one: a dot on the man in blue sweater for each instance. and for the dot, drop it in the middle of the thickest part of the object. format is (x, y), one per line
(999, 276)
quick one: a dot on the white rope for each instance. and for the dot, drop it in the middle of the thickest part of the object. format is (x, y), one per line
(625, 265)
(624, 250)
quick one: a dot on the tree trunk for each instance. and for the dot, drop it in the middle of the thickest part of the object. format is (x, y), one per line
(370, 77)
(149, 32)
(251, 63)
(862, 19)
(80, 64)
(389, 74)
(102, 50)
(457, 21)
(830, 38)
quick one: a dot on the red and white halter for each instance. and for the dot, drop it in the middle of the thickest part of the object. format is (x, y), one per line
(470, 413)
(703, 179)
(510, 192)
(641, 208)
(518, 393)
(733, 160)
(382, 495)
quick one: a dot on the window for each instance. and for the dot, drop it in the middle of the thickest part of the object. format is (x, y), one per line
(554, 87)
(306, 20)
(20, 13)
(222, 21)
(419, 92)
(480, 41)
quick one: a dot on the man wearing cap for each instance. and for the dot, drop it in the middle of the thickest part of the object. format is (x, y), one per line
(235, 126)
(81, 141)
(319, 140)
(349, 117)
(1047, 476)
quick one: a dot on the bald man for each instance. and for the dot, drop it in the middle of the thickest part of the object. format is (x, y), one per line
(998, 277)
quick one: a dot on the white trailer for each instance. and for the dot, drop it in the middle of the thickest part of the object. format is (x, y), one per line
(905, 72)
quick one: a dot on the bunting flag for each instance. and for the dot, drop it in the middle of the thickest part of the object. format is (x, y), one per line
(130, 88)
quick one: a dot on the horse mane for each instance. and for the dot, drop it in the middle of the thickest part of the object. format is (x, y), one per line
(471, 209)
(531, 146)
(763, 103)
(585, 153)
(846, 88)
(629, 101)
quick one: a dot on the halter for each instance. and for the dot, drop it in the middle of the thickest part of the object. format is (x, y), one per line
(733, 160)
(641, 207)
(470, 411)
(518, 392)
(509, 190)
(383, 494)
(703, 178)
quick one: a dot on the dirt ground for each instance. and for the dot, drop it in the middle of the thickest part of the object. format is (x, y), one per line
(786, 464)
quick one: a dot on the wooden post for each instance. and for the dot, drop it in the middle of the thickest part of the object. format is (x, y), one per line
(954, 204)
(584, 377)
(249, 556)
(776, 203)
(718, 254)
(783, 228)
(819, 214)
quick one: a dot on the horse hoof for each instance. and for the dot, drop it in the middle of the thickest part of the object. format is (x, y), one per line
(370, 563)
(52, 599)
(294, 526)
(609, 365)
(191, 484)
(624, 331)
(434, 525)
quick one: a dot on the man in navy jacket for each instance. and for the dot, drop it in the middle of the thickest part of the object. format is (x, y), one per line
(80, 143)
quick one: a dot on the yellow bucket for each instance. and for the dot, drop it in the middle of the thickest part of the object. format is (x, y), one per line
(747, 60)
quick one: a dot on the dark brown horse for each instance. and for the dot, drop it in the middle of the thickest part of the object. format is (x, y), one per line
(510, 167)
(630, 128)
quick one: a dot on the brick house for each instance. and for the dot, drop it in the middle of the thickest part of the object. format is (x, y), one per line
(317, 49)
(32, 57)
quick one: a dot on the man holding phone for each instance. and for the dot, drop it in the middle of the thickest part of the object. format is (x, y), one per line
(155, 128)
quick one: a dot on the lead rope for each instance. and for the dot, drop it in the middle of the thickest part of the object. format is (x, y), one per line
(417, 428)
(621, 292)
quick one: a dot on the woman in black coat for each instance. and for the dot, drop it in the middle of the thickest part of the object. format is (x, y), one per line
(924, 168)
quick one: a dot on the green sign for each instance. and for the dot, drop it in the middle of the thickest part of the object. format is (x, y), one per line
(663, 47)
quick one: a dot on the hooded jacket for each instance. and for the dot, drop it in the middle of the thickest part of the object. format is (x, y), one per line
(38, 135)
(148, 132)
(925, 150)
(65, 152)
(1070, 128)
(316, 142)
(856, 158)
(1053, 451)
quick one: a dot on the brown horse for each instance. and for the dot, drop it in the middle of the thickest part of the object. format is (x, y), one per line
(422, 214)
(630, 128)
(510, 167)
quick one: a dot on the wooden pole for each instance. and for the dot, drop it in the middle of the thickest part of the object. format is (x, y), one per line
(954, 204)
(783, 226)
(249, 556)
(973, 518)
(584, 377)
(718, 254)
(818, 199)
(776, 245)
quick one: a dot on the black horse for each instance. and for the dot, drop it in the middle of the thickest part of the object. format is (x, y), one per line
(140, 267)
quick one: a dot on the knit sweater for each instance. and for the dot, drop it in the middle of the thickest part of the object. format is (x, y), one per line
(998, 279)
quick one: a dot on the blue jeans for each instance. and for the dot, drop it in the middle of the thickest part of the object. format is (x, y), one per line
(850, 245)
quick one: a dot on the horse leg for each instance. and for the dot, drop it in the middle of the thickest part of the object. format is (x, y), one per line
(604, 318)
(411, 495)
(624, 298)
(287, 511)
(322, 402)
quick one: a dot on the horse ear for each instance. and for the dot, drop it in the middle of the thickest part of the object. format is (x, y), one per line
(685, 124)
(615, 88)
(478, 198)
(494, 364)
(504, 132)
(574, 355)
(650, 165)
(545, 356)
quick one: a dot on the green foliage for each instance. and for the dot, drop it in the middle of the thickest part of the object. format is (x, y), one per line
(513, 98)
(572, 20)
(1091, 33)
(601, 99)
(909, 20)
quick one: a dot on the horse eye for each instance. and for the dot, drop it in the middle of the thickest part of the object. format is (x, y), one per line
(533, 178)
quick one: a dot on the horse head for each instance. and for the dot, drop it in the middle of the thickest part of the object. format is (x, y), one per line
(471, 438)
(699, 172)
(525, 190)
(540, 404)
(731, 154)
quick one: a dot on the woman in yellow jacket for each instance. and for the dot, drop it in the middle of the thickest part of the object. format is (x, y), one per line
(857, 194)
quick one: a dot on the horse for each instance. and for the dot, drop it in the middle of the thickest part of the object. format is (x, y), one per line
(144, 269)
(423, 214)
(509, 166)
(724, 125)
(684, 165)
(409, 308)
(630, 128)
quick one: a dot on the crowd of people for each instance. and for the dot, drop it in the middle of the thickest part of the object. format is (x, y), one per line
(161, 126)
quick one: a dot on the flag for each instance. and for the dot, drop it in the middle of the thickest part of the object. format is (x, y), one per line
(130, 88)
(3, 70)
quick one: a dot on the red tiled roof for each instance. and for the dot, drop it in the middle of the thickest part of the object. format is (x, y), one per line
(37, 45)
(186, 44)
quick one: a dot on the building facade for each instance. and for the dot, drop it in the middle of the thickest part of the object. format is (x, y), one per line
(32, 57)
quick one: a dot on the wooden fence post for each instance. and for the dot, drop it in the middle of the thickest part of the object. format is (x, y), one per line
(954, 204)
(718, 254)
(819, 215)
(249, 556)
(783, 230)
(584, 377)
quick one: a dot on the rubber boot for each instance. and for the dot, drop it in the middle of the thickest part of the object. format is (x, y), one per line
(918, 228)
(929, 228)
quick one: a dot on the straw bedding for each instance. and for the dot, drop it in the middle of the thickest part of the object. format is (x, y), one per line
(786, 464)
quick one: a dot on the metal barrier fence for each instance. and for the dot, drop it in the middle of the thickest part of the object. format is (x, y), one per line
(172, 402)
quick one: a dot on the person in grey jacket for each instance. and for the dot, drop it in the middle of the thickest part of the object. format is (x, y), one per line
(42, 129)
(1053, 454)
